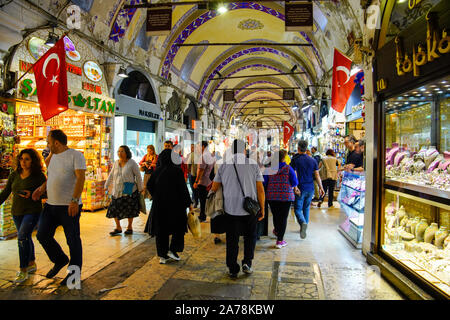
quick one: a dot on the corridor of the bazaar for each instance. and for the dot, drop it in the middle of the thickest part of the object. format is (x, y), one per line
(224, 150)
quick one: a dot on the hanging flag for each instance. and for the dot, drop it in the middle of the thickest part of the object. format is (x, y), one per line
(50, 72)
(288, 130)
(343, 82)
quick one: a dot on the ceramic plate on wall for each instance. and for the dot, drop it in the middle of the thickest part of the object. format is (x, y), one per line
(73, 55)
(37, 47)
(93, 71)
(68, 44)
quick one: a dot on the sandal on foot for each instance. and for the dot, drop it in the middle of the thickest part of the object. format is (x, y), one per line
(115, 232)
(129, 231)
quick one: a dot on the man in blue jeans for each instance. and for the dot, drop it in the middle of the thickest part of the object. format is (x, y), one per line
(306, 168)
(66, 175)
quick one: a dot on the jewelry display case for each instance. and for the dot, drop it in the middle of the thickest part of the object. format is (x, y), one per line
(415, 223)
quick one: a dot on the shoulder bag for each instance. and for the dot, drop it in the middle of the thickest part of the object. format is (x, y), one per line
(250, 205)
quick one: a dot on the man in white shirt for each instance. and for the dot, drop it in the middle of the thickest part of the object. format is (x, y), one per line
(66, 175)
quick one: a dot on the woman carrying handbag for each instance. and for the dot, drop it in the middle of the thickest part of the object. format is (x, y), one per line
(126, 182)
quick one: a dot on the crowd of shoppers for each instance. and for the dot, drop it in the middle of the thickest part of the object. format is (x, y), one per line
(292, 181)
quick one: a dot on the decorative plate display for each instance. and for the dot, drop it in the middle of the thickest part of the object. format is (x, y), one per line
(37, 47)
(71, 52)
(73, 55)
(68, 44)
(93, 71)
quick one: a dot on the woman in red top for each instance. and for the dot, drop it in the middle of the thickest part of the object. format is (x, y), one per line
(148, 165)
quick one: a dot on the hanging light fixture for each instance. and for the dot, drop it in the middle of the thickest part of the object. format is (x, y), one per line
(308, 93)
(52, 39)
(122, 73)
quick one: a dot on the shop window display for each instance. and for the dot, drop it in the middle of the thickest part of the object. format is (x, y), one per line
(7, 140)
(86, 132)
(416, 220)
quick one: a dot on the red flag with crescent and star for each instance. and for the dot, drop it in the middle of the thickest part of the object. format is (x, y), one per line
(50, 72)
(343, 82)
(288, 130)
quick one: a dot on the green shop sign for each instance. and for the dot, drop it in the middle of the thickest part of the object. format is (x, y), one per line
(94, 104)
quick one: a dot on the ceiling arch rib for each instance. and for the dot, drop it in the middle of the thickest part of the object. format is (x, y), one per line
(278, 69)
(291, 80)
(207, 80)
(202, 19)
(236, 51)
(275, 82)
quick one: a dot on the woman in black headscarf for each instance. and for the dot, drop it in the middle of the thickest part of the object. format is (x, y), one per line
(168, 213)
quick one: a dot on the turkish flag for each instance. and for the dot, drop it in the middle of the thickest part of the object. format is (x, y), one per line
(50, 72)
(343, 83)
(288, 130)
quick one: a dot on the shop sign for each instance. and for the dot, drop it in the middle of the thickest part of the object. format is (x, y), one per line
(422, 50)
(91, 87)
(159, 22)
(93, 104)
(437, 44)
(26, 66)
(299, 16)
(148, 114)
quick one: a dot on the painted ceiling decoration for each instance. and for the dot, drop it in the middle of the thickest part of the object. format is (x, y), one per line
(235, 56)
(122, 21)
(245, 22)
(236, 71)
(210, 15)
(250, 24)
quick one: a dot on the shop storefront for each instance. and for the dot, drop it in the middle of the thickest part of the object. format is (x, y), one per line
(137, 114)
(7, 141)
(88, 121)
(410, 239)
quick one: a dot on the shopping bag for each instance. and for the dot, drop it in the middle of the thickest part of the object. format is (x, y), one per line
(142, 207)
(194, 225)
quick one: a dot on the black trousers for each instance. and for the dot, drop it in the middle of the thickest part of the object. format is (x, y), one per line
(280, 212)
(237, 226)
(202, 194)
(51, 218)
(328, 186)
(194, 191)
(176, 244)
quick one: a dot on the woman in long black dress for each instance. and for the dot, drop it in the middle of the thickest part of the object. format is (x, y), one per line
(168, 214)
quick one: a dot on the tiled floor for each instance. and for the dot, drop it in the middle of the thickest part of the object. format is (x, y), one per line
(322, 266)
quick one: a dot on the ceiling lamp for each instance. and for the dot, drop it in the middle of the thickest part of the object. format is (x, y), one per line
(308, 93)
(122, 73)
(221, 8)
(52, 39)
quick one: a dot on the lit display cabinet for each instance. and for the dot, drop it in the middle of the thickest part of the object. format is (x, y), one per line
(416, 188)
(410, 239)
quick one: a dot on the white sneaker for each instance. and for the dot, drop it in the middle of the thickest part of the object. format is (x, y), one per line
(173, 255)
(163, 260)
(21, 277)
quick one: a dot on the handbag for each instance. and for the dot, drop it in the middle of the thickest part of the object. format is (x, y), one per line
(142, 207)
(194, 225)
(250, 205)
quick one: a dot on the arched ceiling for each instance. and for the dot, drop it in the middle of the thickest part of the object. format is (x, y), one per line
(244, 22)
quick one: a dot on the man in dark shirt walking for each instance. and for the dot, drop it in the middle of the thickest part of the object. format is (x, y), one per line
(307, 171)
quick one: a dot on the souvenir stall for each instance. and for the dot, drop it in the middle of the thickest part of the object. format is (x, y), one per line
(413, 210)
(88, 121)
(7, 140)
